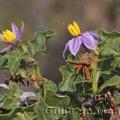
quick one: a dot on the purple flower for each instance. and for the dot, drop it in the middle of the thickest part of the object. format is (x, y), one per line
(88, 39)
(10, 38)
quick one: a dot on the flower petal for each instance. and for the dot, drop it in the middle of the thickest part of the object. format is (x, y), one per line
(15, 30)
(7, 49)
(88, 40)
(96, 36)
(74, 45)
(21, 29)
(65, 49)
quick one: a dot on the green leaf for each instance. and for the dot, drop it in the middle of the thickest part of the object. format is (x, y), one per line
(73, 116)
(116, 62)
(55, 113)
(59, 101)
(23, 116)
(9, 104)
(2, 59)
(14, 58)
(111, 82)
(23, 73)
(111, 43)
(11, 114)
(14, 90)
(45, 107)
(117, 98)
(49, 86)
(49, 33)
(24, 48)
(40, 109)
(38, 43)
(108, 35)
(70, 79)
(12, 97)
(50, 95)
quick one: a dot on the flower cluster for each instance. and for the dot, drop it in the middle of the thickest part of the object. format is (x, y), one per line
(10, 38)
(87, 39)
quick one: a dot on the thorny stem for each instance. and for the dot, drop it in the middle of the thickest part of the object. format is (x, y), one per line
(96, 72)
(95, 75)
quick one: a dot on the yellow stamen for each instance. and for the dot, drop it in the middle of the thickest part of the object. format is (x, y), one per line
(10, 34)
(72, 28)
(7, 39)
(76, 27)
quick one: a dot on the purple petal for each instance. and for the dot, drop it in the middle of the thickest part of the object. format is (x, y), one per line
(15, 30)
(74, 45)
(15, 41)
(7, 49)
(65, 49)
(88, 40)
(96, 36)
(21, 30)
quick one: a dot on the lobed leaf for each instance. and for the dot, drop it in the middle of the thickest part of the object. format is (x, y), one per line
(70, 79)
(38, 43)
(114, 81)
(14, 58)
(110, 45)
(59, 100)
(2, 59)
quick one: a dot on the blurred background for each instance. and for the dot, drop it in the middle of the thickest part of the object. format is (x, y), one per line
(48, 14)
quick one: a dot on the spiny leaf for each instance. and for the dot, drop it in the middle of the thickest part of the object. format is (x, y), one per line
(49, 86)
(72, 116)
(23, 116)
(23, 73)
(14, 58)
(108, 35)
(2, 59)
(116, 62)
(9, 104)
(12, 97)
(38, 43)
(111, 43)
(70, 79)
(117, 98)
(51, 101)
(111, 82)
(59, 101)
(14, 91)
(49, 33)
(50, 95)
(40, 113)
